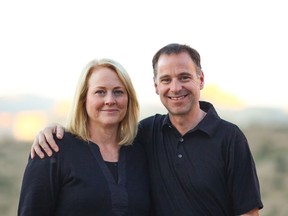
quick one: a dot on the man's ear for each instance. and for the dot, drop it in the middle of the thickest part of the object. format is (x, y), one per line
(156, 86)
(202, 80)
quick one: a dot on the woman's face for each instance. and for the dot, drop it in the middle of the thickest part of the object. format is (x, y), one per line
(106, 99)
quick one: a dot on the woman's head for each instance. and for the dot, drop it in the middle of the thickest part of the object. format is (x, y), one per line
(98, 75)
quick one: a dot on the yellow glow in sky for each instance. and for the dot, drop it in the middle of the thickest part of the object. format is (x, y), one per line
(221, 99)
(27, 124)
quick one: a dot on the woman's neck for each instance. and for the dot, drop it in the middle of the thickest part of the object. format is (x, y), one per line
(107, 141)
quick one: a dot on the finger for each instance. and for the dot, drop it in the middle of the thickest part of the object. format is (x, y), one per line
(59, 131)
(43, 143)
(49, 141)
(35, 149)
(39, 151)
(32, 152)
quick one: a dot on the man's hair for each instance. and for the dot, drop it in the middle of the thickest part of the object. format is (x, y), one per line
(175, 48)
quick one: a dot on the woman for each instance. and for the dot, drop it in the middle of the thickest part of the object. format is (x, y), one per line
(98, 171)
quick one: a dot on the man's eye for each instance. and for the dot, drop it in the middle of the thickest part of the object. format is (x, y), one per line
(184, 78)
(165, 81)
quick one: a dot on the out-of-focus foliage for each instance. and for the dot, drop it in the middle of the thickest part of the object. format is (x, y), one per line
(13, 159)
(268, 144)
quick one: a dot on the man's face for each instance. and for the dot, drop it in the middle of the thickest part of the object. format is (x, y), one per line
(178, 83)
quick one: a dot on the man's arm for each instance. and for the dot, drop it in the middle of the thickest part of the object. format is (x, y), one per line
(44, 140)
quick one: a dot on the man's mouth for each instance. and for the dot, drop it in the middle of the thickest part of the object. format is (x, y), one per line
(177, 98)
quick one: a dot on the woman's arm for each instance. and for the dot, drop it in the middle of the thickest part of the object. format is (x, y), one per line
(40, 187)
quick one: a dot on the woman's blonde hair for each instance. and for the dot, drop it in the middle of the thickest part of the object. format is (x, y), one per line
(78, 118)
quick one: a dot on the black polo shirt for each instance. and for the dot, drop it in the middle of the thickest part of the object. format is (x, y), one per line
(207, 171)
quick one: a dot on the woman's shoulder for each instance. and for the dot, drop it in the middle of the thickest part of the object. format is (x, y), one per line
(66, 138)
(69, 141)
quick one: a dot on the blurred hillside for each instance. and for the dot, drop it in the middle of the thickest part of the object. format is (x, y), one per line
(23, 116)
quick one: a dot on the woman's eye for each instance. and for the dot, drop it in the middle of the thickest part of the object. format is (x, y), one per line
(100, 92)
(118, 92)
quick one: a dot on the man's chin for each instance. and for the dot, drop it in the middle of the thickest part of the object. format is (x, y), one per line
(177, 112)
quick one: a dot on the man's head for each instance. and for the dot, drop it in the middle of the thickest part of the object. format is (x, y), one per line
(175, 48)
(178, 78)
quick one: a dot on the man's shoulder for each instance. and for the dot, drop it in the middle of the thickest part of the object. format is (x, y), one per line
(154, 118)
(228, 124)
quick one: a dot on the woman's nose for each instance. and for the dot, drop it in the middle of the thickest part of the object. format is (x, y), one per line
(110, 99)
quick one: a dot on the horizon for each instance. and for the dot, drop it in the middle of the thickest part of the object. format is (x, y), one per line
(23, 116)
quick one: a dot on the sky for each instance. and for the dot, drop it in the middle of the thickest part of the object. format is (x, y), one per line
(44, 45)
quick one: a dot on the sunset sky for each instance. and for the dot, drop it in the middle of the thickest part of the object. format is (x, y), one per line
(243, 44)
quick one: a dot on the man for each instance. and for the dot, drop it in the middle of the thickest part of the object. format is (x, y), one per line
(199, 164)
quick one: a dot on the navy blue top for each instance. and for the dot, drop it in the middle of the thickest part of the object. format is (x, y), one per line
(76, 181)
(207, 171)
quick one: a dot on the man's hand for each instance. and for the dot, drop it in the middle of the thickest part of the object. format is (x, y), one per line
(253, 212)
(44, 140)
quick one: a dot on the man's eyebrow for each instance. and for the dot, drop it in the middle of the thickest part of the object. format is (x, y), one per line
(185, 73)
(164, 76)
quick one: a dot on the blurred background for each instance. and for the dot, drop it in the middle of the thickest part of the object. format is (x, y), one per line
(243, 45)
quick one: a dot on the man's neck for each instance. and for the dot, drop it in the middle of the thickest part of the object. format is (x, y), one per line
(185, 123)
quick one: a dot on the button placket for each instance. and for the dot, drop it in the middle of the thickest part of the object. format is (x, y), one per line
(180, 155)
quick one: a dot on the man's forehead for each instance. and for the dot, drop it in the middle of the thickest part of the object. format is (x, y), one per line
(182, 58)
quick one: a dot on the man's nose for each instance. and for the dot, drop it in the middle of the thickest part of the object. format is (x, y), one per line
(175, 86)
